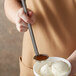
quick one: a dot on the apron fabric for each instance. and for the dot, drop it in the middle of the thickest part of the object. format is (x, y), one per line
(24, 70)
(54, 30)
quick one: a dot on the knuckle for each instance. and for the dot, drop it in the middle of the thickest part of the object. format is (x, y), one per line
(21, 12)
(18, 27)
(21, 9)
(23, 23)
(21, 26)
(28, 20)
(21, 30)
(19, 20)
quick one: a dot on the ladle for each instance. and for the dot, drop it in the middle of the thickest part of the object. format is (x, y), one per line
(38, 56)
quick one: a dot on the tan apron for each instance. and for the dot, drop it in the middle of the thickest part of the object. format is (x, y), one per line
(54, 30)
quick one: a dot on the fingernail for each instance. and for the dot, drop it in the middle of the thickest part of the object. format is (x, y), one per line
(30, 13)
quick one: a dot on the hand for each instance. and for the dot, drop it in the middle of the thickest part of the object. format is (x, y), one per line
(22, 19)
(72, 60)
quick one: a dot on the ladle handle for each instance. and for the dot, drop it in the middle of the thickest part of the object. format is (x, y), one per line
(30, 29)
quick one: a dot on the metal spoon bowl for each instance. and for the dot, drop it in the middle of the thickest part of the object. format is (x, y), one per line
(41, 57)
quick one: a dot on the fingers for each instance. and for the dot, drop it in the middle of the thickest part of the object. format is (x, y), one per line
(21, 28)
(27, 19)
(23, 19)
(21, 25)
(32, 16)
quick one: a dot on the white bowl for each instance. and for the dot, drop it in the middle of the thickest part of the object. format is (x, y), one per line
(39, 64)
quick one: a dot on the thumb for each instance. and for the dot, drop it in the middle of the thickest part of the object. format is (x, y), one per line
(72, 56)
(30, 13)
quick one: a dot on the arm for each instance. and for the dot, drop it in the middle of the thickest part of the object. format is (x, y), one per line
(15, 14)
(11, 7)
(72, 60)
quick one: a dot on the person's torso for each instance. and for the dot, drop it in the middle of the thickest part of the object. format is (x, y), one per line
(54, 30)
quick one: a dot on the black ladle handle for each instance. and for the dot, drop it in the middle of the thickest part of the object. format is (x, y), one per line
(30, 29)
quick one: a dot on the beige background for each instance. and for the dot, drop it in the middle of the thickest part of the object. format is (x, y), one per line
(10, 45)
